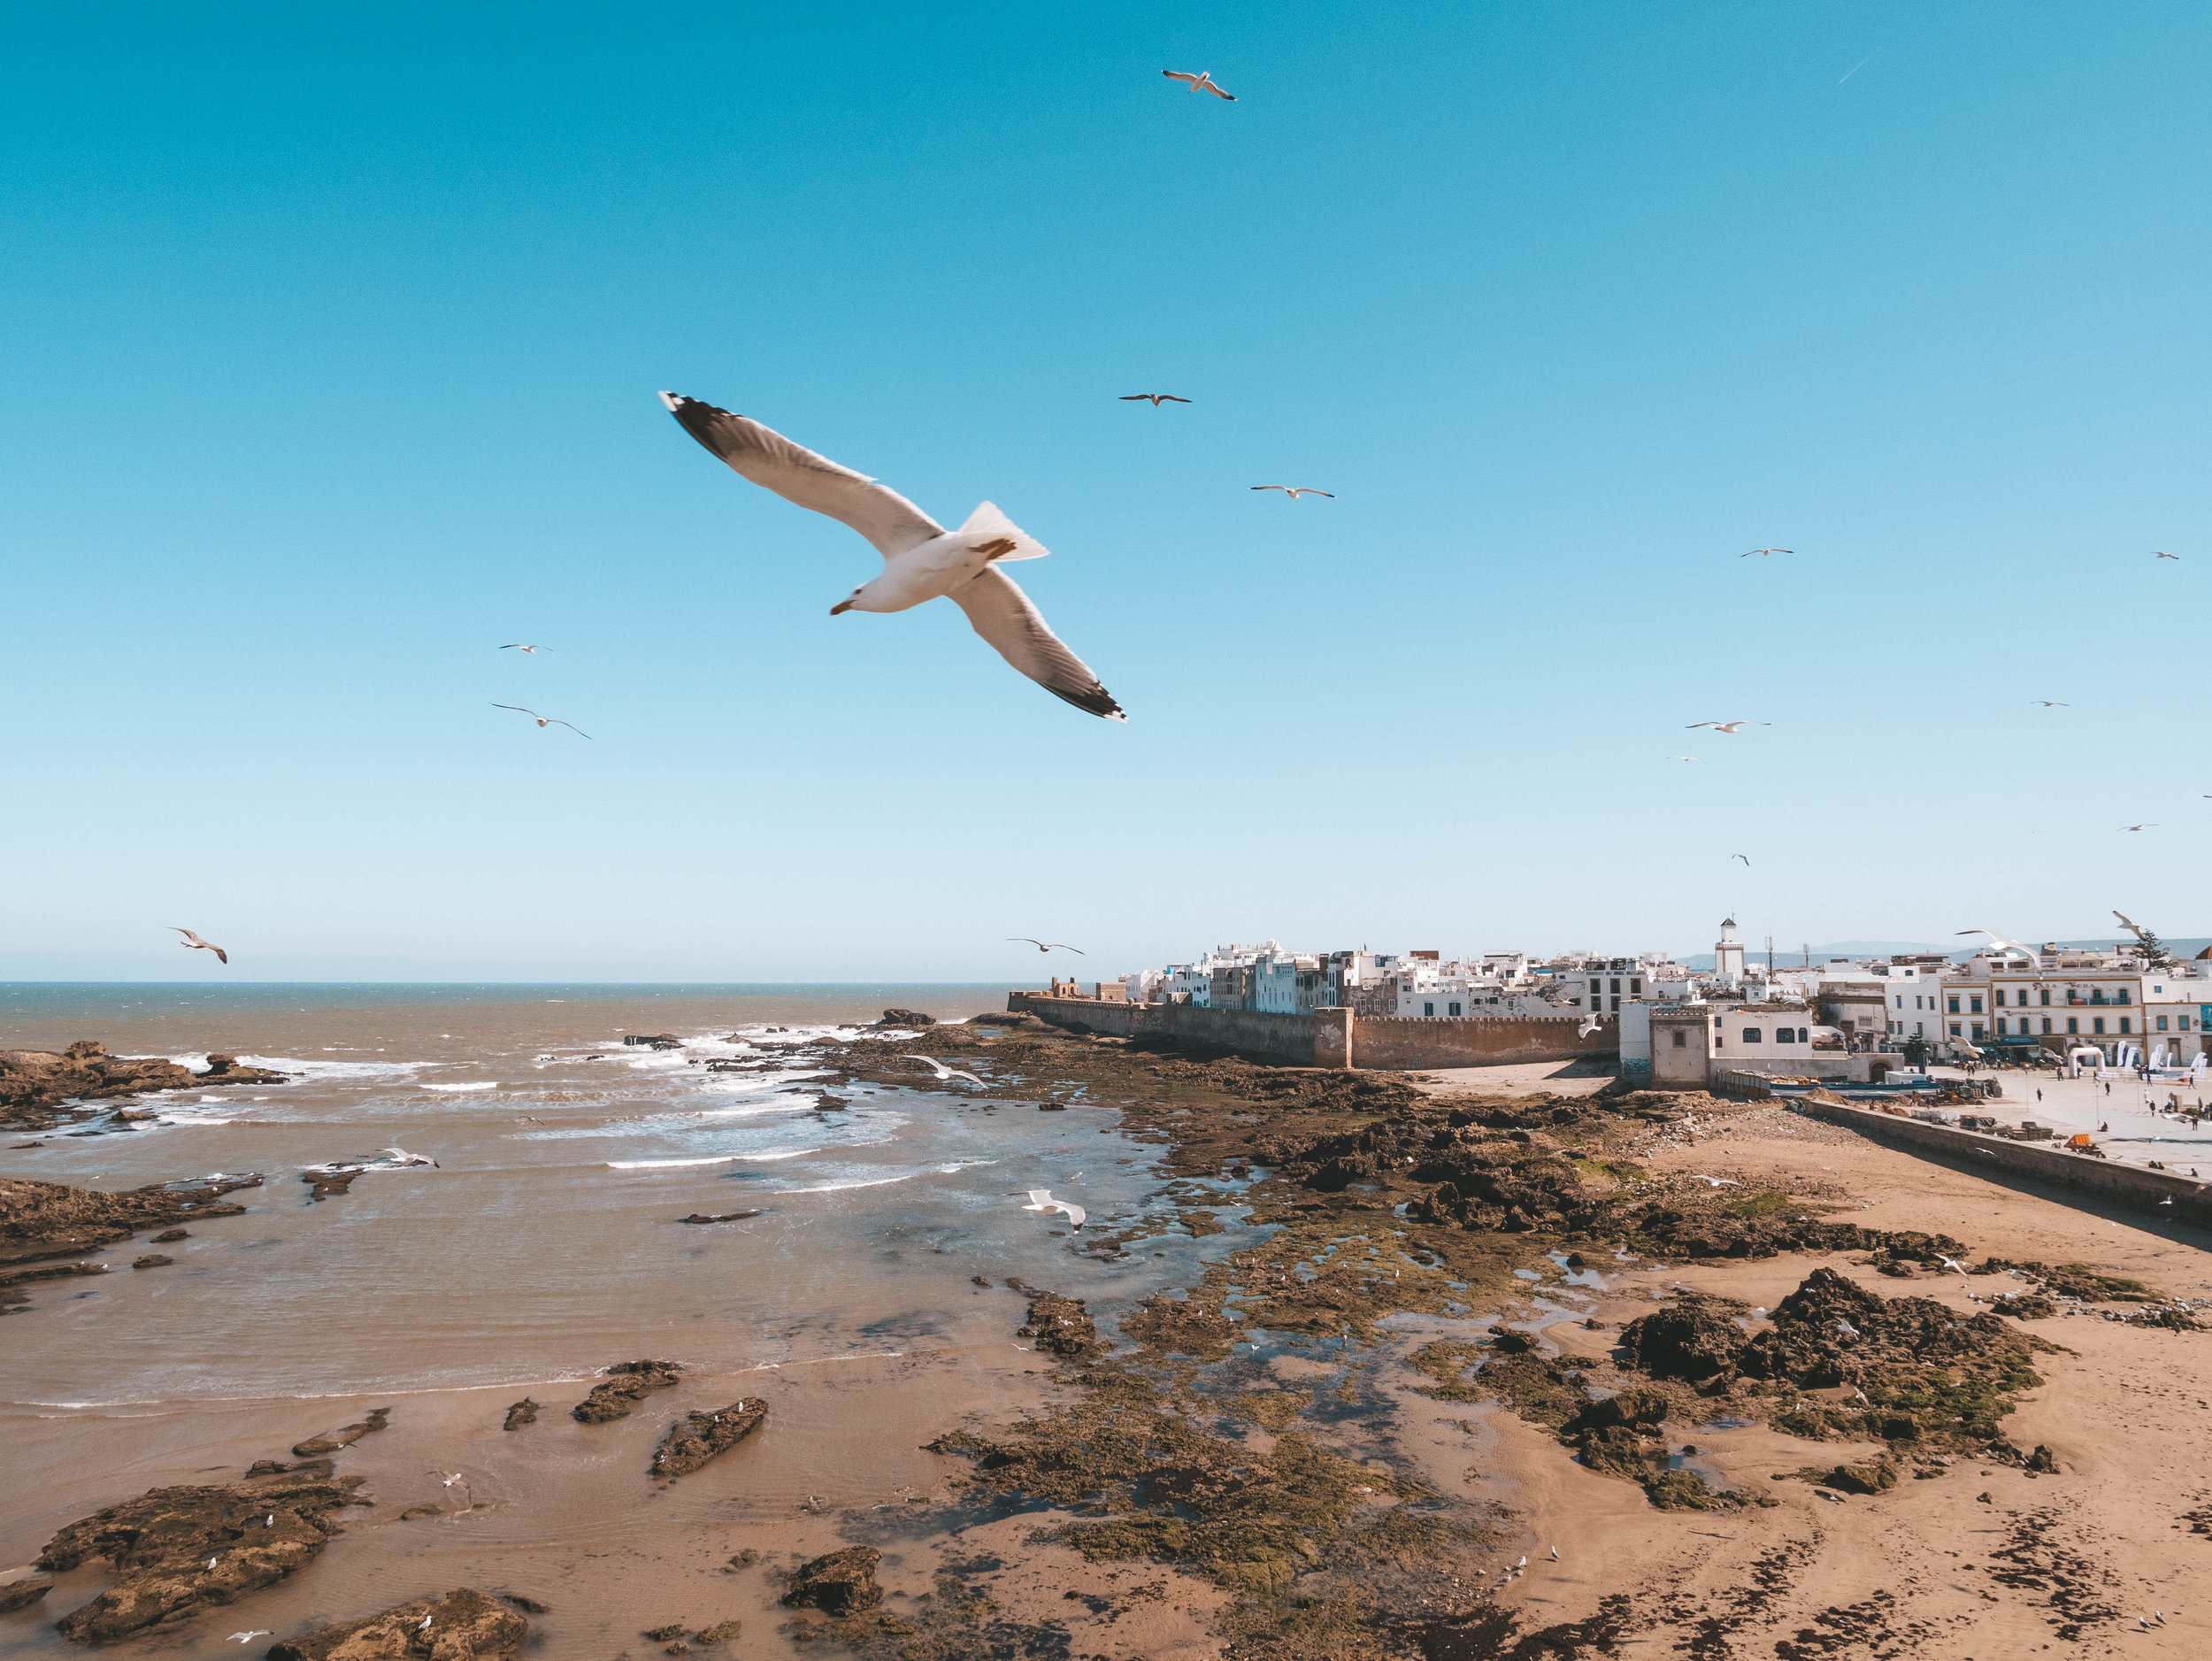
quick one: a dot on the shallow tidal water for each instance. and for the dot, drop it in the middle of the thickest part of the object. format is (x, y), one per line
(545, 1245)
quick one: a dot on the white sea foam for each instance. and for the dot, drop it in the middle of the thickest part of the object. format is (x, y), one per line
(457, 1088)
(719, 1159)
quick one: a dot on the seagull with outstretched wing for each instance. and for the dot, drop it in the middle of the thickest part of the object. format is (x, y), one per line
(1041, 1200)
(921, 560)
(1771, 550)
(1203, 81)
(1048, 945)
(1293, 491)
(1730, 727)
(516, 645)
(1157, 398)
(544, 721)
(192, 941)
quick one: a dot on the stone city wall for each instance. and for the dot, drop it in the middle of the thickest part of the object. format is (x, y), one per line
(1333, 1037)
(2161, 1194)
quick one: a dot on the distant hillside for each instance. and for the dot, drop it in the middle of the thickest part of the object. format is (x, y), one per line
(1795, 957)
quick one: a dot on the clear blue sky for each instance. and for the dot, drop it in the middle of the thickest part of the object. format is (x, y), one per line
(329, 366)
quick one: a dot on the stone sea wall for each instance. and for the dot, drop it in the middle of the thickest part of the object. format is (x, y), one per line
(1331, 1037)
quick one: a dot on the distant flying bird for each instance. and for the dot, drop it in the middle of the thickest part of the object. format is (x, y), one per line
(1681, 757)
(1047, 945)
(1293, 491)
(2152, 826)
(1854, 68)
(2135, 929)
(2051, 704)
(451, 1480)
(2167, 556)
(1771, 550)
(192, 941)
(1717, 1182)
(921, 560)
(1041, 1200)
(544, 720)
(944, 1072)
(1590, 1024)
(1158, 398)
(1725, 726)
(1745, 858)
(248, 1637)
(516, 645)
(1203, 81)
(1999, 940)
(401, 1157)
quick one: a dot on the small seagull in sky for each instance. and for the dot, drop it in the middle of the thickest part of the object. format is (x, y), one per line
(544, 720)
(2166, 556)
(1745, 858)
(1997, 940)
(921, 559)
(944, 1072)
(2051, 704)
(1047, 945)
(192, 941)
(516, 645)
(1293, 491)
(1041, 1200)
(1203, 81)
(1725, 726)
(2152, 826)
(1854, 68)
(1771, 550)
(1158, 398)
(1681, 757)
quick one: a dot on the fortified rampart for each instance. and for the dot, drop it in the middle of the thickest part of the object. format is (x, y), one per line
(2160, 1194)
(1333, 1037)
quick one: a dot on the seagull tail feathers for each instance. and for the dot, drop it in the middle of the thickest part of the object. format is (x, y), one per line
(986, 523)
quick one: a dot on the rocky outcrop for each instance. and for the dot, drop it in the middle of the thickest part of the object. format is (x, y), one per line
(906, 1017)
(522, 1412)
(47, 1220)
(843, 1583)
(1061, 1326)
(692, 1441)
(462, 1626)
(627, 1383)
(1694, 1340)
(720, 1217)
(34, 1083)
(22, 1593)
(152, 1260)
(345, 1435)
(175, 1550)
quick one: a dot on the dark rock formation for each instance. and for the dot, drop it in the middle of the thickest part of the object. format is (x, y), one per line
(345, 1435)
(843, 1583)
(692, 1441)
(462, 1626)
(176, 1549)
(47, 1219)
(522, 1412)
(151, 1260)
(22, 1593)
(169, 1236)
(1061, 1326)
(329, 1181)
(904, 1018)
(628, 1383)
(34, 1083)
(1691, 1340)
(720, 1217)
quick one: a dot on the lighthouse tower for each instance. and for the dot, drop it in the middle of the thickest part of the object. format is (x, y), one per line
(1728, 952)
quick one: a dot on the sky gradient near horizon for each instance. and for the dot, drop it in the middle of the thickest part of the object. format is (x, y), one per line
(332, 347)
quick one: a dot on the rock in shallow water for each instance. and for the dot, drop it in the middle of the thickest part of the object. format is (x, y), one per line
(462, 1626)
(843, 1583)
(522, 1412)
(331, 1440)
(22, 1593)
(692, 1442)
(628, 1383)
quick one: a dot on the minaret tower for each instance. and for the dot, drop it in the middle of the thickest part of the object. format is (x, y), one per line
(1728, 952)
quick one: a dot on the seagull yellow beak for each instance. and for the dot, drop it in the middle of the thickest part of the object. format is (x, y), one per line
(842, 605)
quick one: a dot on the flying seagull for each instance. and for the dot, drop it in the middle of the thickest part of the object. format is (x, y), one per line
(1590, 1024)
(401, 1157)
(192, 941)
(1203, 81)
(1293, 491)
(1158, 398)
(1771, 550)
(1845, 1327)
(1681, 757)
(544, 720)
(516, 645)
(1745, 858)
(1041, 1200)
(2051, 704)
(2152, 826)
(1725, 726)
(2135, 929)
(921, 560)
(1048, 945)
(2167, 556)
(944, 1072)
(248, 1637)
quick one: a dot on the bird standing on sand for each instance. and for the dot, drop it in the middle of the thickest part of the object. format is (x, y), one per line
(921, 560)
(1555, 1554)
(944, 1072)
(1158, 398)
(1203, 81)
(1293, 491)
(1041, 1200)
(192, 941)
(516, 645)
(1048, 945)
(544, 720)
(1725, 726)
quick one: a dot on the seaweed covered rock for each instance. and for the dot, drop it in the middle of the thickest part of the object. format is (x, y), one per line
(344, 1436)
(693, 1441)
(1190, 1325)
(22, 1593)
(1061, 1326)
(627, 1383)
(906, 1017)
(462, 1626)
(40, 1221)
(35, 1082)
(840, 1583)
(1693, 1340)
(174, 1551)
(522, 1412)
